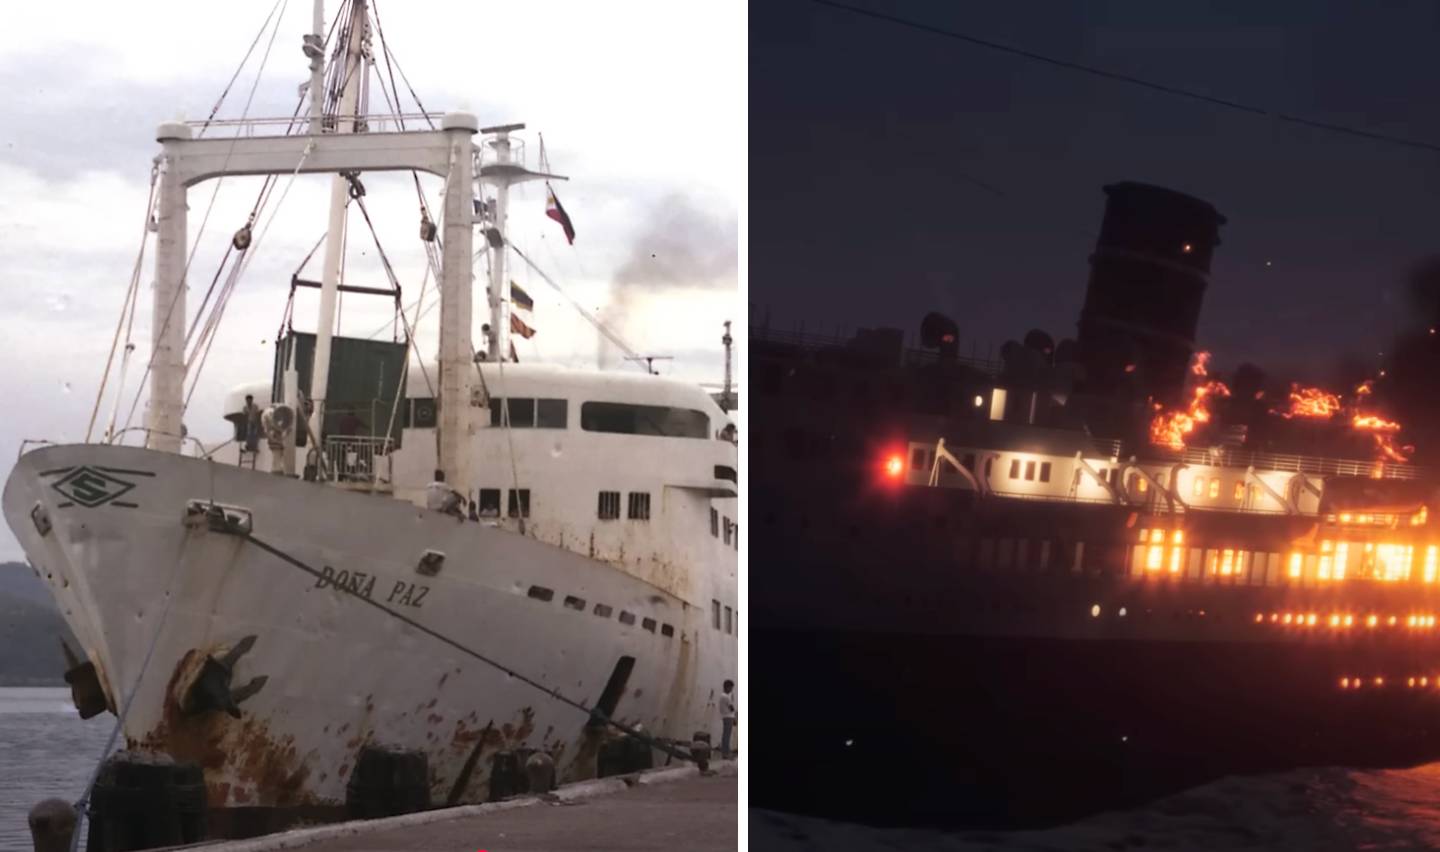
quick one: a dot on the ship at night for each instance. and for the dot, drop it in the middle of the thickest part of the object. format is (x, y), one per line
(1088, 573)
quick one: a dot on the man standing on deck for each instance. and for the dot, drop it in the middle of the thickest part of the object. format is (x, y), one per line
(440, 497)
(251, 415)
(727, 718)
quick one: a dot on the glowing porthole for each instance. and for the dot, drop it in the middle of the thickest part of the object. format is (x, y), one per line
(1095, 611)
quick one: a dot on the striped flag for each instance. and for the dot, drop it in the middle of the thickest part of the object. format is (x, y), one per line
(557, 212)
(521, 299)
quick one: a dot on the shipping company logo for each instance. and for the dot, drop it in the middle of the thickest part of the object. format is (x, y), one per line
(91, 487)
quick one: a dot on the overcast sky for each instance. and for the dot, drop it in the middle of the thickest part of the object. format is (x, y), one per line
(641, 103)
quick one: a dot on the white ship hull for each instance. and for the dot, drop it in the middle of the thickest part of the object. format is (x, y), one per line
(129, 573)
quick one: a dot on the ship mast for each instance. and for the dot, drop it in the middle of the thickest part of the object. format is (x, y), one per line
(504, 171)
(353, 75)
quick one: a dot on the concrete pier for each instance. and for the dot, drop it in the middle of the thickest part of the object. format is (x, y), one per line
(664, 809)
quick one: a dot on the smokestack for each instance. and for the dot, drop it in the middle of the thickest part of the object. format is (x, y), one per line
(1147, 281)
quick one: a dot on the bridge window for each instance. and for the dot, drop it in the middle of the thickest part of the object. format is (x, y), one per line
(1030, 471)
(1014, 468)
(609, 508)
(1239, 490)
(715, 614)
(1197, 488)
(627, 419)
(648, 624)
(714, 522)
(603, 610)
(519, 503)
(729, 620)
(489, 503)
(1044, 471)
(639, 509)
(1214, 487)
(728, 527)
(528, 412)
(627, 617)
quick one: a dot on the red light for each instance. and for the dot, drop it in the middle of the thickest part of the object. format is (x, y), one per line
(894, 466)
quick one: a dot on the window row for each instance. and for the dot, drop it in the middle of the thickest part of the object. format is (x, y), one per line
(541, 593)
(488, 503)
(613, 417)
(638, 508)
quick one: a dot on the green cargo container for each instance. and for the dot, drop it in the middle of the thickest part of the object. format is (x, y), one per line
(366, 378)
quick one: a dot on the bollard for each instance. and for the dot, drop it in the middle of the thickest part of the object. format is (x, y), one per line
(52, 825)
(141, 801)
(540, 772)
(700, 753)
(387, 782)
(507, 778)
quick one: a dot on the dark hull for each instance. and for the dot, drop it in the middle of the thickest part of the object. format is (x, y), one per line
(1009, 732)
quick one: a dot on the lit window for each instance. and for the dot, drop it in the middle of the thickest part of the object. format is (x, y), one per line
(1157, 537)
(1142, 485)
(1144, 536)
(1227, 562)
(1296, 561)
(1155, 557)
(1214, 487)
(1198, 487)
(1239, 490)
(1341, 551)
(1430, 564)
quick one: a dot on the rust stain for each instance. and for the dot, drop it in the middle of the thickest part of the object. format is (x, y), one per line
(263, 764)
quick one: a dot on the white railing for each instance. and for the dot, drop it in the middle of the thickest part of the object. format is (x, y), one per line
(379, 123)
(355, 459)
(1320, 465)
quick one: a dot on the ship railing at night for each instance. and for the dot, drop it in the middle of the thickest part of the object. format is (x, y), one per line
(1222, 457)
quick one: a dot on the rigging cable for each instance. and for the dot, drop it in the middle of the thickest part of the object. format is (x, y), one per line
(242, 265)
(1132, 80)
(131, 296)
(170, 310)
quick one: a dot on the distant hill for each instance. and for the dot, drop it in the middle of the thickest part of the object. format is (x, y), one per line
(30, 630)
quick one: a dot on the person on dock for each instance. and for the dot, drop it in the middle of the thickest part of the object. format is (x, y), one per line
(727, 718)
(440, 497)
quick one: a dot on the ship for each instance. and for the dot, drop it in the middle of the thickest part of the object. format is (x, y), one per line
(1009, 592)
(454, 557)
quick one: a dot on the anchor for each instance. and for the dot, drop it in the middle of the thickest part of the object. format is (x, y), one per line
(211, 689)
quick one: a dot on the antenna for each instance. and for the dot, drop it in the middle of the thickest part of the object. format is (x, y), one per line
(650, 361)
(725, 397)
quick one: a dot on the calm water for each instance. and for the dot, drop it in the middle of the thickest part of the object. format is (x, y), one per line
(45, 750)
(1311, 809)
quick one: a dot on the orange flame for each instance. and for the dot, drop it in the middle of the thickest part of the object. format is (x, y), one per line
(1169, 428)
(1311, 402)
(1364, 388)
(1384, 432)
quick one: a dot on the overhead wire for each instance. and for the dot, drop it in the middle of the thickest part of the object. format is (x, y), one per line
(1121, 77)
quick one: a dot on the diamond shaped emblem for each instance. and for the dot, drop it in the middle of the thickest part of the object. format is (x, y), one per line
(90, 487)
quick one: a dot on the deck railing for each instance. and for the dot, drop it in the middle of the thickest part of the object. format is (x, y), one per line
(358, 459)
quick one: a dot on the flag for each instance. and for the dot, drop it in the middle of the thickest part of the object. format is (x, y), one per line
(521, 299)
(518, 326)
(556, 212)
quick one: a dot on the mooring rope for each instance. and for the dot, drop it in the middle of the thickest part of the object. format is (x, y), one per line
(552, 692)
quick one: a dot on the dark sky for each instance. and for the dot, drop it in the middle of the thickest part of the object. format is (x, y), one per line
(893, 172)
